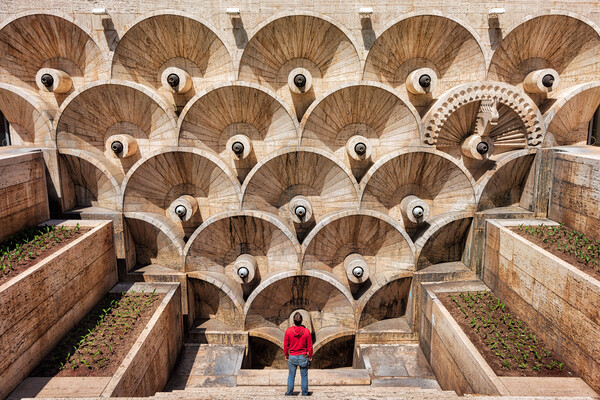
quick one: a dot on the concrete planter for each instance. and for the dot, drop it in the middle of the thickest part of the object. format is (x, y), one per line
(459, 366)
(43, 303)
(146, 367)
(558, 298)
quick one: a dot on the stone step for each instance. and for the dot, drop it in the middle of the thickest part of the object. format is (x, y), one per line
(316, 377)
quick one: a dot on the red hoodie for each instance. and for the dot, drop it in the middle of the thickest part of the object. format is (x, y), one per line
(297, 341)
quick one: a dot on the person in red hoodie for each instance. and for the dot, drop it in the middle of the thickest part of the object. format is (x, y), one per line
(298, 349)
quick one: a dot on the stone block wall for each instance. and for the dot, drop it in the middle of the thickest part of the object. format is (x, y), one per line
(557, 299)
(23, 193)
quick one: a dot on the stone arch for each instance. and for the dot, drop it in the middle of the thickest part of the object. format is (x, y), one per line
(386, 299)
(277, 46)
(329, 302)
(433, 176)
(368, 109)
(323, 180)
(214, 297)
(568, 118)
(563, 41)
(505, 184)
(27, 115)
(426, 40)
(444, 240)
(214, 116)
(155, 182)
(93, 114)
(168, 38)
(376, 236)
(95, 184)
(217, 243)
(450, 119)
(59, 41)
(156, 241)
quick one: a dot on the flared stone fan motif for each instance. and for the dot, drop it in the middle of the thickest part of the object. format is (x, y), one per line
(294, 169)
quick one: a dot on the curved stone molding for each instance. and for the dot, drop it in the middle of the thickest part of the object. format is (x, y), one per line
(220, 240)
(327, 300)
(212, 118)
(93, 115)
(216, 300)
(432, 176)
(367, 109)
(299, 41)
(154, 183)
(386, 299)
(157, 241)
(564, 42)
(444, 240)
(380, 240)
(448, 47)
(27, 114)
(93, 183)
(325, 182)
(167, 39)
(568, 119)
(509, 183)
(519, 122)
(30, 42)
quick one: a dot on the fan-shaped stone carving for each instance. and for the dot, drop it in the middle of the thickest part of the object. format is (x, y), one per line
(155, 243)
(568, 119)
(93, 184)
(504, 185)
(326, 300)
(444, 240)
(217, 117)
(103, 112)
(319, 183)
(26, 113)
(431, 176)
(215, 303)
(377, 238)
(561, 42)
(442, 44)
(220, 241)
(457, 115)
(387, 301)
(31, 42)
(154, 184)
(304, 45)
(370, 111)
(162, 41)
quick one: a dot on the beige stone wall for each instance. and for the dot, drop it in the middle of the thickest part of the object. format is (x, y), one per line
(42, 304)
(385, 12)
(575, 198)
(559, 300)
(23, 194)
(146, 368)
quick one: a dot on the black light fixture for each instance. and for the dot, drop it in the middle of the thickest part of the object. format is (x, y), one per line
(548, 80)
(418, 211)
(243, 272)
(482, 148)
(173, 80)
(300, 81)
(300, 211)
(360, 148)
(180, 211)
(358, 272)
(238, 148)
(47, 80)
(425, 81)
(117, 147)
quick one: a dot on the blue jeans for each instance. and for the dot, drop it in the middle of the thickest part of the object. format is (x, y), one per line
(293, 363)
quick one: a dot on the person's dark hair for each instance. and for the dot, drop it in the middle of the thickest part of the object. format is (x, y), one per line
(297, 319)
